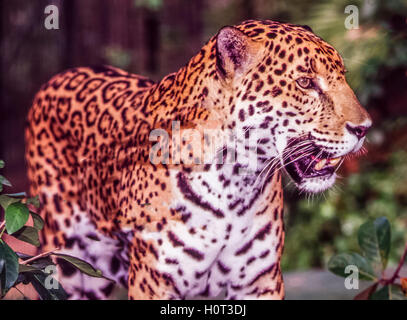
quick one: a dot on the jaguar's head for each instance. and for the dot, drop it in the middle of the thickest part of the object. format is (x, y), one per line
(289, 86)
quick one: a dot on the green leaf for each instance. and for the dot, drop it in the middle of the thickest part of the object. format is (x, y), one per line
(82, 266)
(338, 263)
(29, 235)
(42, 263)
(4, 181)
(1, 164)
(5, 201)
(17, 195)
(374, 241)
(27, 268)
(2, 262)
(367, 293)
(40, 282)
(35, 201)
(38, 222)
(10, 267)
(16, 217)
(381, 294)
(390, 292)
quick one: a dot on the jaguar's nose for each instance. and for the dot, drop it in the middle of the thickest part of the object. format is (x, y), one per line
(358, 131)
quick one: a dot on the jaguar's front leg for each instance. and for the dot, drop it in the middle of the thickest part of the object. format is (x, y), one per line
(268, 285)
(146, 282)
(256, 262)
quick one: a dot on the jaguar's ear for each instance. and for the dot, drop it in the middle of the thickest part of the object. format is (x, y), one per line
(233, 51)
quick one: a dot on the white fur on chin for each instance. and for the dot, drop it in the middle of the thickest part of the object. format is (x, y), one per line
(318, 184)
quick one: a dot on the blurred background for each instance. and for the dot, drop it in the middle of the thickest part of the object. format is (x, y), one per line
(156, 37)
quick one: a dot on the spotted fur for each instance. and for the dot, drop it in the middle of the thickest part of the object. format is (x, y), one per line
(170, 231)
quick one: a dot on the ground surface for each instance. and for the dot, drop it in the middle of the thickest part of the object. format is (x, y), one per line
(318, 285)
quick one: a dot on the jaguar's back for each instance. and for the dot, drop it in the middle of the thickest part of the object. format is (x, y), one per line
(72, 143)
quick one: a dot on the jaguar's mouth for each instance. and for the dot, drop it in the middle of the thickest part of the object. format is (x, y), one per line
(308, 161)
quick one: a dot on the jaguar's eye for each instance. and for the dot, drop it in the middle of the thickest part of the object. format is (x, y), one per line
(305, 82)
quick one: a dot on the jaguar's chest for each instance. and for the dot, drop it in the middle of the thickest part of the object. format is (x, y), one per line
(222, 215)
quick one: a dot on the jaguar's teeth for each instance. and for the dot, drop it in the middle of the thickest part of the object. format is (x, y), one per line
(334, 161)
(320, 164)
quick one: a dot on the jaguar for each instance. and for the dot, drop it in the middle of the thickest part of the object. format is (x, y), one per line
(168, 228)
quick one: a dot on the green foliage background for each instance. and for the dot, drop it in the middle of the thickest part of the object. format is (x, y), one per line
(319, 227)
(322, 227)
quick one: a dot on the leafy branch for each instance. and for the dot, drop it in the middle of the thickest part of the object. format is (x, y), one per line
(17, 268)
(374, 238)
(397, 271)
